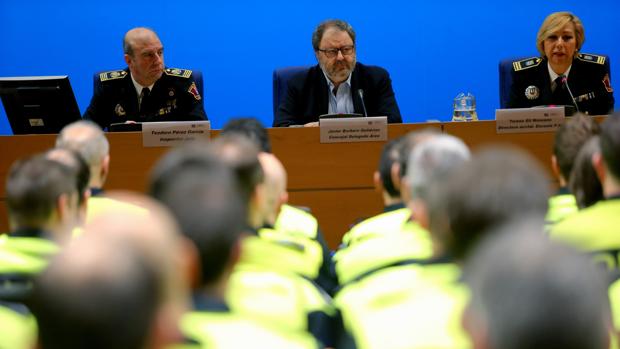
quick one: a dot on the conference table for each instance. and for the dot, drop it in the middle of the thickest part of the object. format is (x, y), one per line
(334, 180)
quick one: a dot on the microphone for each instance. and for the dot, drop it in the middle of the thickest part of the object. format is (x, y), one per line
(565, 83)
(360, 93)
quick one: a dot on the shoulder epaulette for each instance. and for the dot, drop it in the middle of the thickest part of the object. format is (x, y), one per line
(112, 75)
(182, 73)
(526, 63)
(588, 57)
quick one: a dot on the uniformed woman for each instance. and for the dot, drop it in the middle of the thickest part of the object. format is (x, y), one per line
(562, 70)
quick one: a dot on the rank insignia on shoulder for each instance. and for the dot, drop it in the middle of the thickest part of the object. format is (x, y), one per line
(182, 73)
(526, 63)
(588, 57)
(194, 91)
(112, 75)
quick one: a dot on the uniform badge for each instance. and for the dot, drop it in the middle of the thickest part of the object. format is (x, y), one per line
(119, 111)
(194, 91)
(532, 92)
(607, 84)
(171, 92)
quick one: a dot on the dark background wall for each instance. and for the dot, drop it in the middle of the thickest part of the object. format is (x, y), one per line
(433, 49)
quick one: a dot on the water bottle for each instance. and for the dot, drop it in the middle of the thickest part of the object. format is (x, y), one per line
(464, 108)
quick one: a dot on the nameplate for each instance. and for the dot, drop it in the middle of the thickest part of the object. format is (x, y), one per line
(370, 129)
(528, 120)
(173, 133)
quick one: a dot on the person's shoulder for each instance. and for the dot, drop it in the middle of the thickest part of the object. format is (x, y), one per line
(113, 76)
(178, 73)
(371, 69)
(526, 64)
(591, 58)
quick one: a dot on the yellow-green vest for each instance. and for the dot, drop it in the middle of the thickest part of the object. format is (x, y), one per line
(408, 306)
(560, 207)
(17, 331)
(225, 330)
(263, 287)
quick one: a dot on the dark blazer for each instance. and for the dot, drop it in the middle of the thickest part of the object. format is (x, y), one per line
(307, 97)
(174, 98)
(588, 80)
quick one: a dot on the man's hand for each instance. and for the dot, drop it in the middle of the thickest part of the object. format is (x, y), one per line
(312, 124)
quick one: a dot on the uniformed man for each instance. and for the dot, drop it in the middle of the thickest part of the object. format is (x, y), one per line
(145, 91)
(562, 70)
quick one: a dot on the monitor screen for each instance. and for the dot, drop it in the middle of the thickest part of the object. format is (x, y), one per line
(38, 104)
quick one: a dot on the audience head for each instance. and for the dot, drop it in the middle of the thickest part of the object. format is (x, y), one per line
(87, 138)
(431, 161)
(528, 292)
(607, 162)
(42, 194)
(154, 235)
(76, 163)
(96, 293)
(496, 186)
(274, 187)
(406, 147)
(584, 183)
(569, 138)
(386, 176)
(250, 128)
(242, 156)
(201, 191)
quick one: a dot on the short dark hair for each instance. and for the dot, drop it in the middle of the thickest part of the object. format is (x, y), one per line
(317, 35)
(200, 190)
(584, 183)
(33, 187)
(250, 128)
(610, 144)
(495, 186)
(569, 138)
(110, 309)
(241, 155)
(389, 157)
(528, 292)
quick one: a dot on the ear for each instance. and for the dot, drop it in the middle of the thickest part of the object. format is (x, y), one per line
(599, 166)
(554, 167)
(127, 59)
(105, 168)
(190, 263)
(62, 207)
(419, 213)
(376, 180)
(395, 174)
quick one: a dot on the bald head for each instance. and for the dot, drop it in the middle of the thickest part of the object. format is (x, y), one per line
(274, 184)
(87, 139)
(144, 55)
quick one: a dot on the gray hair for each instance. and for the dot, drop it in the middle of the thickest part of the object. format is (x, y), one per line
(317, 35)
(528, 292)
(431, 160)
(86, 138)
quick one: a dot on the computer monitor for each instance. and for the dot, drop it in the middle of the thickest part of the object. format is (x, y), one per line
(38, 104)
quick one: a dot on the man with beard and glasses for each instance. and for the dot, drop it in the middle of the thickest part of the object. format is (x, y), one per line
(338, 84)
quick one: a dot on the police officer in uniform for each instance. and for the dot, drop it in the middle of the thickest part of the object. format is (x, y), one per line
(542, 80)
(145, 91)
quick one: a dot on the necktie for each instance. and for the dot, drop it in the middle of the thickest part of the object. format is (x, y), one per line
(558, 92)
(144, 96)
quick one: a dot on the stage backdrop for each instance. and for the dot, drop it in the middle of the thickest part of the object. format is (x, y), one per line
(432, 49)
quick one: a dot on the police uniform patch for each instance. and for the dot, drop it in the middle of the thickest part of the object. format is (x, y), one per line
(526, 63)
(607, 84)
(112, 75)
(194, 91)
(532, 92)
(119, 111)
(182, 73)
(588, 57)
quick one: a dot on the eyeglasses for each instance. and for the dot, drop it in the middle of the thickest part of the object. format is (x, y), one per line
(333, 52)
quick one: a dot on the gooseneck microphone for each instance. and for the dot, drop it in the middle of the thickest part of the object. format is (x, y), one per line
(565, 83)
(360, 93)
